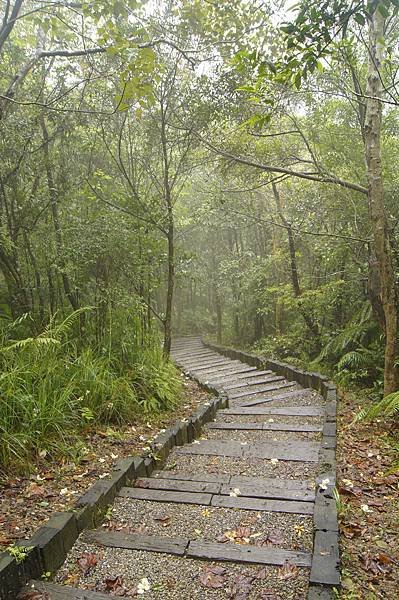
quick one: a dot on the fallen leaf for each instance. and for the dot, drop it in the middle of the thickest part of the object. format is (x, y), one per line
(164, 519)
(288, 571)
(213, 577)
(115, 585)
(35, 595)
(87, 561)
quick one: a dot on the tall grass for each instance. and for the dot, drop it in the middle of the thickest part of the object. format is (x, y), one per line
(53, 385)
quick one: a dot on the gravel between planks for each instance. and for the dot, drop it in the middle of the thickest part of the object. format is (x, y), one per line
(254, 467)
(173, 578)
(226, 418)
(294, 532)
(257, 437)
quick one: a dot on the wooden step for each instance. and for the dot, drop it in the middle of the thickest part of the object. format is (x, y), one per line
(266, 388)
(177, 485)
(239, 502)
(246, 554)
(279, 397)
(233, 372)
(165, 496)
(254, 489)
(288, 411)
(205, 362)
(260, 381)
(292, 451)
(205, 550)
(237, 480)
(211, 368)
(235, 425)
(137, 541)
(260, 504)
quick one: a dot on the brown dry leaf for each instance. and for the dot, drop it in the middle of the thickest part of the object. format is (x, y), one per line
(261, 574)
(270, 538)
(242, 588)
(115, 585)
(288, 571)
(213, 577)
(164, 519)
(87, 561)
(141, 484)
(35, 595)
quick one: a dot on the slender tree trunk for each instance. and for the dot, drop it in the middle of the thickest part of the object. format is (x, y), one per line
(310, 322)
(170, 289)
(72, 296)
(383, 251)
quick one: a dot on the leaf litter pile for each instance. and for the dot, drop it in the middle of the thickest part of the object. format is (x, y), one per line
(54, 485)
(368, 486)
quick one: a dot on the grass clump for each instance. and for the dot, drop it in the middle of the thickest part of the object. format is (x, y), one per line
(54, 385)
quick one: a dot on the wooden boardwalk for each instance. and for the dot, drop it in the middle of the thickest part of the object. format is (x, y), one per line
(264, 453)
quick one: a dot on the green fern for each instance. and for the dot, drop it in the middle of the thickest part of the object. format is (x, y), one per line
(351, 360)
(387, 407)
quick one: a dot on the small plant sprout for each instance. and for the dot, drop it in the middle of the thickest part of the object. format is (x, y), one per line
(19, 552)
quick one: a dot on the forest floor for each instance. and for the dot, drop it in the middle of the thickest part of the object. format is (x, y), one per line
(369, 504)
(26, 502)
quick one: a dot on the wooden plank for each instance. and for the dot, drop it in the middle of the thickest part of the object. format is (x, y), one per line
(291, 427)
(191, 354)
(258, 490)
(234, 371)
(235, 425)
(259, 373)
(246, 554)
(293, 451)
(325, 514)
(288, 411)
(292, 484)
(55, 591)
(213, 448)
(325, 560)
(266, 388)
(177, 485)
(252, 382)
(233, 365)
(219, 478)
(210, 368)
(246, 503)
(137, 541)
(206, 363)
(165, 496)
(297, 451)
(204, 360)
(279, 397)
(329, 442)
(330, 429)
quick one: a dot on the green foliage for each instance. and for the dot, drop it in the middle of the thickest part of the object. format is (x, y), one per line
(51, 390)
(385, 408)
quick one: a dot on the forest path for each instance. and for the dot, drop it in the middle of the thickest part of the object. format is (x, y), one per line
(249, 498)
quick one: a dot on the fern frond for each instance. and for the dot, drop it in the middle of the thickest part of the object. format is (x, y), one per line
(39, 341)
(351, 360)
(387, 407)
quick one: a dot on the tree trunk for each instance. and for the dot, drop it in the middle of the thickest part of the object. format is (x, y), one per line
(72, 296)
(310, 322)
(170, 287)
(383, 251)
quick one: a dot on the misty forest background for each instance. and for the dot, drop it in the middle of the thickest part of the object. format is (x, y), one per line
(228, 169)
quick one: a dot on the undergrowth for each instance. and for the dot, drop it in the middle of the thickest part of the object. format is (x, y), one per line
(53, 386)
